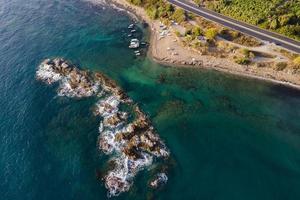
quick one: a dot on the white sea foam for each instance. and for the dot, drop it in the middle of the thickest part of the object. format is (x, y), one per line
(72, 83)
(46, 73)
(65, 89)
(120, 179)
(108, 106)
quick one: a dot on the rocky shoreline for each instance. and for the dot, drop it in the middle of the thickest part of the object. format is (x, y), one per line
(132, 145)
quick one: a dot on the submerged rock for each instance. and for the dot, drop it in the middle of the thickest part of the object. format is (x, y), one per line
(159, 180)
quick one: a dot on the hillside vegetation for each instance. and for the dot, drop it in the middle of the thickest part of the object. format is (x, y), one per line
(282, 16)
(159, 9)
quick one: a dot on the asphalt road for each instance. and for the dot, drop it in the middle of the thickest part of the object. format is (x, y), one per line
(245, 28)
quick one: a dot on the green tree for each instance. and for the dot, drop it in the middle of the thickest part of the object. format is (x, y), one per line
(285, 19)
(177, 33)
(136, 2)
(179, 15)
(245, 52)
(196, 31)
(198, 2)
(211, 33)
(274, 24)
(169, 7)
(152, 13)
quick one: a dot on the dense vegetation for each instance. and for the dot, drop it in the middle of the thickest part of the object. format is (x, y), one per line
(282, 16)
(160, 9)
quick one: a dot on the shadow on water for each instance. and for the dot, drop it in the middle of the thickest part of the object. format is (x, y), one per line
(283, 91)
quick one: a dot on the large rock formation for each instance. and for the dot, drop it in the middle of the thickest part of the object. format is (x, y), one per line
(132, 145)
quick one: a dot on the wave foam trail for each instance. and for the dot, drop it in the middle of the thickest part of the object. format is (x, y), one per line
(131, 145)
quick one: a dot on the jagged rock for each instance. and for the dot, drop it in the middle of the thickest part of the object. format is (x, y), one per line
(114, 120)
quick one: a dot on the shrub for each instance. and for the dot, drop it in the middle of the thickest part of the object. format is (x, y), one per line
(188, 31)
(136, 2)
(211, 33)
(188, 38)
(242, 61)
(169, 8)
(235, 34)
(191, 16)
(198, 2)
(274, 24)
(281, 66)
(152, 13)
(196, 31)
(179, 15)
(177, 33)
(296, 61)
(245, 52)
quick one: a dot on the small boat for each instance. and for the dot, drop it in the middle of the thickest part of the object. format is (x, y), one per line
(131, 26)
(134, 44)
(129, 35)
(133, 31)
(138, 54)
(137, 51)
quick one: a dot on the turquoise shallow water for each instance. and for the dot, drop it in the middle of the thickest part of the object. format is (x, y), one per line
(229, 137)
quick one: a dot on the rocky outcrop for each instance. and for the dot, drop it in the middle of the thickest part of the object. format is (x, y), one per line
(131, 145)
(72, 81)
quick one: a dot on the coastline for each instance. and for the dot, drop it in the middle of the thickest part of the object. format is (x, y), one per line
(190, 58)
(228, 136)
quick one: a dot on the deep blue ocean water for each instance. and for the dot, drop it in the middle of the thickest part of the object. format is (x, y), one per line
(229, 137)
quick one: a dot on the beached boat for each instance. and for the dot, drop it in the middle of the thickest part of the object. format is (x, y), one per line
(131, 26)
(137, 53)
(134, 44)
